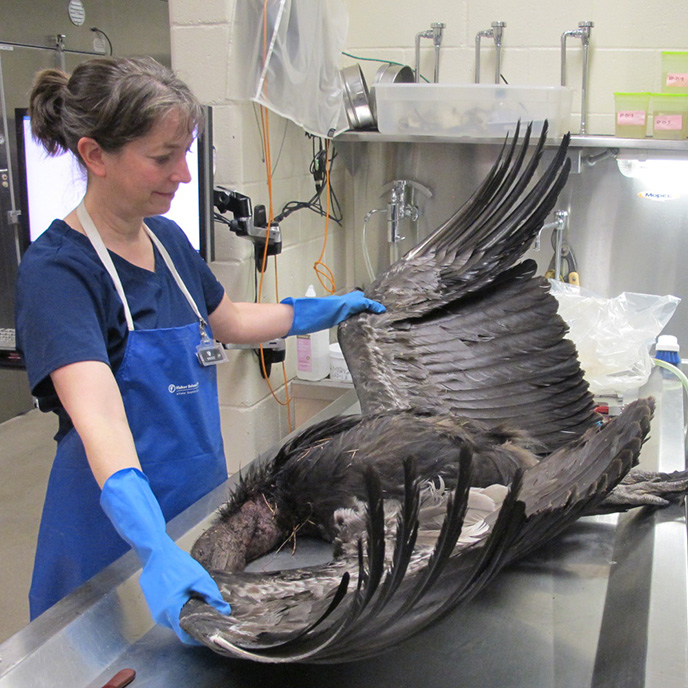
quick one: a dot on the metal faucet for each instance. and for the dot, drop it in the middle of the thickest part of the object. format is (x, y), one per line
(582, 32)
(561, 218)
(399, 207)
(435, 32)
(496, 33)
(560, 221)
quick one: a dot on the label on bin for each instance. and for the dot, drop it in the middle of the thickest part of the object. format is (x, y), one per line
(630, 117)
(677, 80)
(668, 122)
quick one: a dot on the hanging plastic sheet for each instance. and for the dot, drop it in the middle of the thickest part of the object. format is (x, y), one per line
(613, 336)
(287, 53)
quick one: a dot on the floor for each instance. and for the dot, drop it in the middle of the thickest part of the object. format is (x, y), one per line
(25, 459)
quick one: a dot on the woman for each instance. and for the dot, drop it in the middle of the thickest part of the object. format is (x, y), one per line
(116, 318)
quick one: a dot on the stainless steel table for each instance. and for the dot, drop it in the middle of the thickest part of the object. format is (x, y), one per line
(605, 605)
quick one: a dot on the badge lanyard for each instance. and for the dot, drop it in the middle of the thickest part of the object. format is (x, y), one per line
(208, 351)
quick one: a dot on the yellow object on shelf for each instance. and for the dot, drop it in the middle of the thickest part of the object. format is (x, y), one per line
(669, 115)
(674, 72)
(631, 114)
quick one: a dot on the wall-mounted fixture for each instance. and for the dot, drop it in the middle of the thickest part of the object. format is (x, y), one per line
(562, 251)
(402, 205)
(496, 34)
(660, 177)
(582, 32)
(58, 47)
(252, 224)
(435, 33)
(77, 13)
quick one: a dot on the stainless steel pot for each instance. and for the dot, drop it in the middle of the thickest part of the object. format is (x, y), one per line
(357, 98)
(390, 74)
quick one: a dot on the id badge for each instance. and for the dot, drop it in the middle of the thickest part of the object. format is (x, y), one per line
(209, 352)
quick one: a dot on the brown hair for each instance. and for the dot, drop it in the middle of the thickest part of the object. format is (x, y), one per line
(111, 100)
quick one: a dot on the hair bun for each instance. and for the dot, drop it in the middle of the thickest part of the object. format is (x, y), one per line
(45, 109)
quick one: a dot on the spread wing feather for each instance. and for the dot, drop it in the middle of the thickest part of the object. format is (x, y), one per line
(466, 331)
(390, 587)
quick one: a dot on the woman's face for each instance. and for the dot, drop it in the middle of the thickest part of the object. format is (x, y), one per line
(144, 175)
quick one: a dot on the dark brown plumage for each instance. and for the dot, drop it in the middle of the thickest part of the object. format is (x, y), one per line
(477, 443)
(468, 333)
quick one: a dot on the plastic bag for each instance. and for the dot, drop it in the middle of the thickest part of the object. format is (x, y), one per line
(287, 54)
(613, 336)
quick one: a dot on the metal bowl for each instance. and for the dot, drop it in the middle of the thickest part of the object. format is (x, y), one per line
(390, 74)
(357, 98)
(394, 74)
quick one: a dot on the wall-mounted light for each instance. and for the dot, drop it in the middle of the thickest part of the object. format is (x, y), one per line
(660, 177)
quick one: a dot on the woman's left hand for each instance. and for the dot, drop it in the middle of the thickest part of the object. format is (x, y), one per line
(314, 314)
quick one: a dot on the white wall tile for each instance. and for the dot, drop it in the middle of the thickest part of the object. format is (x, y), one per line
(248, 432)
(228, 140)
(200, 57)
(207, 12)
(236, 277)
(240, 382)
(389, 24)
(625, 45)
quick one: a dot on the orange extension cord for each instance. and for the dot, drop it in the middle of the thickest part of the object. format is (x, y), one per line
(321, 269)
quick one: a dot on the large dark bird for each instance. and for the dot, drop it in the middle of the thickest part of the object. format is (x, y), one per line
(477, 443)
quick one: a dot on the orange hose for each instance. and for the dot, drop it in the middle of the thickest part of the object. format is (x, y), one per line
(322, 270)
(265, 121)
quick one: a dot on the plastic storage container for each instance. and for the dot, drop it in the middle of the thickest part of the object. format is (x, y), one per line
(669, 115)
(631, 115)
(474, 110)
(313, 352)
(338, 368)
(674, 72)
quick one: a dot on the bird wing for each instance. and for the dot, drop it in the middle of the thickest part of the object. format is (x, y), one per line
(392, 587)
(470, 347)
(465, 330)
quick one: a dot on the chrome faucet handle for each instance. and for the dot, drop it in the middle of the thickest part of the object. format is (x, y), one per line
(582, 32)
(496, 33)
(435, 32)
(584, 28)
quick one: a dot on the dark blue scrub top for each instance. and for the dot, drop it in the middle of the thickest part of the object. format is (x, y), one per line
(68, 309)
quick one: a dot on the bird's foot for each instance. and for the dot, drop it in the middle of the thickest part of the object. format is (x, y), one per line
(646, 488)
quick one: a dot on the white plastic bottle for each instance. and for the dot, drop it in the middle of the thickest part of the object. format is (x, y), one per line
(313, 352)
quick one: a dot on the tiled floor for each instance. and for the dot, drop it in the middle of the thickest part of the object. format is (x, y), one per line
(26, 453)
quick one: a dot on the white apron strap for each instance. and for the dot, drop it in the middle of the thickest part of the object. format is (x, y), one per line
(99, 246)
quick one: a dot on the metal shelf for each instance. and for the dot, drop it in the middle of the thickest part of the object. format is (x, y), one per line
(577, 141)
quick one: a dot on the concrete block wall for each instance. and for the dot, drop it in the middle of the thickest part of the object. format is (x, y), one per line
(626, 43)
(201, 47)
(625, 47)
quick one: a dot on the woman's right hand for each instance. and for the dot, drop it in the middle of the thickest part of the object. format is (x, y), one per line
(170, 575)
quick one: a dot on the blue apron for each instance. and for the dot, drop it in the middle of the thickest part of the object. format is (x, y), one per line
(172, 409)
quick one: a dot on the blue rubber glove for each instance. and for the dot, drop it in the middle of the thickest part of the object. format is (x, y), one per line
(313, 314)
(170, 576)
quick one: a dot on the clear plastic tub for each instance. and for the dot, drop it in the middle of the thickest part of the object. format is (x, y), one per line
(674, 72)
(472, 110)
(669, 116)
(631, 115)
(338, 368)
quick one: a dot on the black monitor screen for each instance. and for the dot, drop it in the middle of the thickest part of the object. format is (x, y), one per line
(52, 186)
